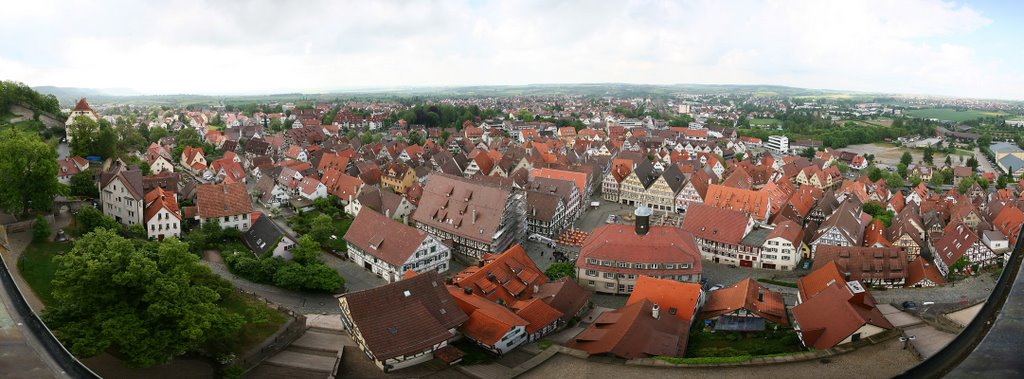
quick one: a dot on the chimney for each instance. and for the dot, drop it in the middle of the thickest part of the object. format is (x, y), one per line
(846, 276)
(387, 213)
(760, 296)
(655, 311)
(474, 215)
(643, 220)
(536, 288)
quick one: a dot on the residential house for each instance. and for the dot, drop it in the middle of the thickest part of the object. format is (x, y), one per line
(194, 159)
(388, 203)
(958, 241)
(397, 176)
(68, 167)
(227, 204)
(833, 311)
(655, 322)
(389, 249)
(845, 227)
(419, 320)
(719, 233)
(162, 215)
(266, 237)
(784, 247)
(922, 273)
(746, 306)
(121, 193)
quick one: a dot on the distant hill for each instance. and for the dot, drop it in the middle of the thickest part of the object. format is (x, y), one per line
(69, 95)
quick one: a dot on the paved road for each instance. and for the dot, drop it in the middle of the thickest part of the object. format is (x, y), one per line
(297, 301)
(983, 163)
(21, 354)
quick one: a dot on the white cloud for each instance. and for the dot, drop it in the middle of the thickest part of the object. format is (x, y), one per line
(233, 47)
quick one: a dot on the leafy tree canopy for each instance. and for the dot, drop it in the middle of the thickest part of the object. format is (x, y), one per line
(150, 303)
(28, 173)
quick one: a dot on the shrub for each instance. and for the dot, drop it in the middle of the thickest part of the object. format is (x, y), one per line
(40, 230)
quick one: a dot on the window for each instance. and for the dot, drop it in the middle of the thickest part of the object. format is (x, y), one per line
(591, 272)
(591, 283)
(609, 285)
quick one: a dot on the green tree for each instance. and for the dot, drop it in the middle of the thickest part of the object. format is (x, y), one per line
(949, 161)
(972, 162)
(83, 134)
(151, 304)
(306, 250)
(906, 159)
(929, 155)
(40, 230)
(313, 277)
(808, 153)
(965, 185)
(561, 270)
(157, 133)
(901, 169)
(28, 173)
(894, 180)
(89, 218)
(739, 156)
(82, 184)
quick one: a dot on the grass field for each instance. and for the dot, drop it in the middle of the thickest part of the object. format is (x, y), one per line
(951, 114)
(764, 121)
(37, 267)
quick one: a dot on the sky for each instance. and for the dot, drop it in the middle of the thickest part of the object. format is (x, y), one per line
(961, 49)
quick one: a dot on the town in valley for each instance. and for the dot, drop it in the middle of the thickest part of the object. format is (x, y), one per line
(395, 199)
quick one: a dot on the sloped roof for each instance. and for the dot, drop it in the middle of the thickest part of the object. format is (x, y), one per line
(864, 263)
(835, 313)
(753, 203)
(717, 224)
(420, 312)
(474, 208)
(750, 295)
(383, 237)
(679, 299)
(565, 295)
(632, 332)
(488, 321)
(219, 200)
(508, 276)
(156, 200)
(920, 269)
(818, 279)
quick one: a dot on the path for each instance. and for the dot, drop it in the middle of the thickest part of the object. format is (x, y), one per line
(313, 355)
(875, 361)
(925, 339)
(297, 301)
(21, 354)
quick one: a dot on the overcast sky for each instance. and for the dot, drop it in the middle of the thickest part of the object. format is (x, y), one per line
(971, 49)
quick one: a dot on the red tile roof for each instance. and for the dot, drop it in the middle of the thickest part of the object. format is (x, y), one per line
(817, 280)
(750, 295)
(753, 203)
(219, 200)
(716, 224)
(1009, 222)
(508, 276)
(865, 264)
(632, 332)
(679, 298)
(488, 321)
(82, 105)
(579, 178)
(920, 269)
(661, 244)
(835, 313)
(156, 200)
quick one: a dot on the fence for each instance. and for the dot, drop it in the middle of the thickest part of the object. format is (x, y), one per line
(21, 226)
(280, 340)
(71, 365)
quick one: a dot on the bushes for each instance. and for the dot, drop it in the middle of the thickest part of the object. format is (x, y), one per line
(40, 230)
(308, 276)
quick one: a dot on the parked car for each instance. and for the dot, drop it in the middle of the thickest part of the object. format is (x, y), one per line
(909, 305)
(716, 287)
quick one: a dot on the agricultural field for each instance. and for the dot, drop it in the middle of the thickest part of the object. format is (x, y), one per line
(951, 114)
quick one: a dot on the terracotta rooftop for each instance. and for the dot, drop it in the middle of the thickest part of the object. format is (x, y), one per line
(509, 276)
(750, 295)
(678, 299)
(632, 332)
(219, 200)
(717, 224)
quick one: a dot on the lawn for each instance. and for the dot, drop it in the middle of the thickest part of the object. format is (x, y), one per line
(37, 267)
(704, 343)
(764, 121)
(474, 353)
(951, 114)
